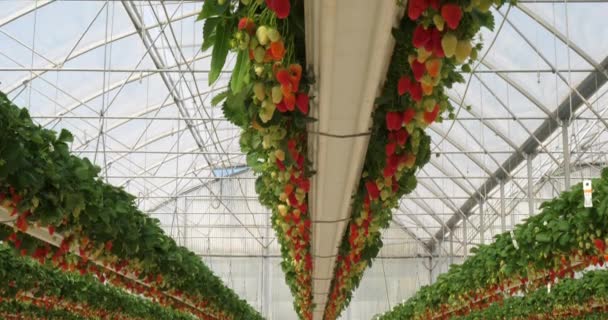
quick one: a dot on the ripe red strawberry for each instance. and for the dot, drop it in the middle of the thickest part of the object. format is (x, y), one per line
(277, 50)
(416, 8)
(435, 43)
(418, 69)
(404, 85)
(247, 24)
(372, 189)
(421, 36)
(282, 107)
(389, 171)
(390, 148)
(429, 117)
(408, 115)
(302, 101)
(283, 78)
(280, 7)
(452, 14)
(402, 136)
(51, 230)
(600, 245)
(108, 245)
(416, 92)
(393, 120)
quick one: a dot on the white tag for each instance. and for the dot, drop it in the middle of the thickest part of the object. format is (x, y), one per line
(588, 192)
(549, 287)
(514, 241)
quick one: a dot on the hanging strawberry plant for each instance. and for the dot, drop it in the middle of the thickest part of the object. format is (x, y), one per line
(434, 41)
(268, 99)
(564, 238)
(41, 184)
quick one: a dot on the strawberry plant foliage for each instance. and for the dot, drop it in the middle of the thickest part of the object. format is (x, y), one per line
(268, 99)
(564, 238)
(43, 184)
(433, 42)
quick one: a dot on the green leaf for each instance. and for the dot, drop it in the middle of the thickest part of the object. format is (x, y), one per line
(220, 51)
(543, 237)
(235, 109)
(239, 73)
(209, 33)
(219, 98)
(212, 8)
(65, 136)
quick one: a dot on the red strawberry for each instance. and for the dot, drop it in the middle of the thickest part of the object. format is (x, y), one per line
(421, 36)
(416, 92)
(51, 230)
(302, 101)
(418, 69)
(434, 4)
(281, 106)
(435, 42)
(393, 120)
(600, 245)
(408, 115)
(280, 165)
(277, 50)
(389, 171)
(429, 117)
(452, 14)
(108, 245)
(247, 24)
(402, 136)
(283, 78)
(372, 189)
(390, 148)
(21, 223)
(404, 85)
(280, 7)
(416, 8)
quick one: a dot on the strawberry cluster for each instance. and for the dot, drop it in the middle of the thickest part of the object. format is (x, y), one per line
(279, 97)
(434, 41)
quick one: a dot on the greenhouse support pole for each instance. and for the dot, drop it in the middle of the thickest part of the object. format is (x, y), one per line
(503, 218)
(530, 185)
(266, 274)
(482, 230)
(465, 238)
(451, 247)
(566, 150)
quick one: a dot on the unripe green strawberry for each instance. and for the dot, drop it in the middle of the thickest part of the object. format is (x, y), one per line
(253, 43)
(429, 104)
(277, 94)
(274, 35)
(463, 50)
(245, 2)
(439, 22)
(267, 110)
(282, 209)
(233, 43)
(262, 34)
(448, 44)
(258, 54)
(280, 154)
(259, 70)
(259, 91)
(484, 5)
(221, 2)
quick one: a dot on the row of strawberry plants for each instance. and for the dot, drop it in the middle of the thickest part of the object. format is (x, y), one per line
(570, 297)
(77, 261)
(434, 41)
(23, 275)
(563, 238)
(268, 99)
(17, 310)
(48, 187)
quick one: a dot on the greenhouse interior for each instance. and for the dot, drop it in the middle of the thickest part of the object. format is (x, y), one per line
(303, 159)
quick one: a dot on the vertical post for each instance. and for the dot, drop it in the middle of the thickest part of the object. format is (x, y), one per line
(530, 185)
(465, 238)
(451, 247)
(482, 230)
(566, 150)
(430, 270)
(503, 213)
(184, 215)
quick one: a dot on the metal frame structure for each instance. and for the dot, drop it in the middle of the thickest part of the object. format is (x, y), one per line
(148, 123)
